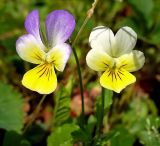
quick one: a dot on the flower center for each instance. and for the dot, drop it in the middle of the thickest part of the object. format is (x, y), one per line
(115, 72)
(45, 70)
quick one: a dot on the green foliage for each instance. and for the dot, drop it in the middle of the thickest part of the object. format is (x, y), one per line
(142, 8)
(122, 137)
(149, 134)
(62, 108)
(61, 136)
(131, 118)
(12, 137)
(11, 115)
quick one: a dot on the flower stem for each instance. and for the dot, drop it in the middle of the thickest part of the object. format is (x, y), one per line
(89, 15)
(34, 114)
(100, 122)
(80, 84)
(102, 109)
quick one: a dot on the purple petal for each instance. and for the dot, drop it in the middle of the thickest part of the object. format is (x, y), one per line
(59, 27)
(32, 25)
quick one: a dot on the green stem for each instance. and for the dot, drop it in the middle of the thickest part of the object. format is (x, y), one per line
(89, 15)
(34, 114)
(100, 122)
(80, 83)
(102, 109)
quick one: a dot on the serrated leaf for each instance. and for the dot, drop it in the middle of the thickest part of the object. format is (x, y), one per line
(11, 113)
(62, 109)
(61, 136)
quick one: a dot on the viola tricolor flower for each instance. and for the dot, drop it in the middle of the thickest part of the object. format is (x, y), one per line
(114, 56)
(48, 54)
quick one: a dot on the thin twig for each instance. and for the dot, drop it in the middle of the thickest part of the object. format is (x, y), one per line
(34, 114)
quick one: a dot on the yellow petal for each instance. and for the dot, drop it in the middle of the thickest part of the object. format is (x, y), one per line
(41, 79)
(132, 61)
(116, 80)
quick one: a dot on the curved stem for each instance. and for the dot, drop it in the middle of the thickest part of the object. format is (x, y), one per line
(34, 114)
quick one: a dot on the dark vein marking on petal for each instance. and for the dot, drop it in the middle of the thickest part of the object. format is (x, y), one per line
(109, 73)
(131, 35)
(120, 72)
(112, 76)
(42, 69)
(115, 75)
(43, 72)
(123, 65)
(119, 76)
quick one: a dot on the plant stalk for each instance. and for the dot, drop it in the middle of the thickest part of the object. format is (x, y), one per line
(89, 15)
(34, 114)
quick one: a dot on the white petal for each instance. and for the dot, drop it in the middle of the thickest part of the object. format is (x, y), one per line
(132, 61)
(29, 49)
(126, 40)
(59, 56)
(102, 38)
(98, 60)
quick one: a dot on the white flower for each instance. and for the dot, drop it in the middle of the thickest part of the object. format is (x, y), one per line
(114, 56)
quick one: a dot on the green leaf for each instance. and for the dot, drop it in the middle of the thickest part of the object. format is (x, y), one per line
(144, 7)
(122, 138)
(149, 138)
(62, 108)
(11, 115)
(35, 134)
(12, 137)
(61, 136)
(150, 135)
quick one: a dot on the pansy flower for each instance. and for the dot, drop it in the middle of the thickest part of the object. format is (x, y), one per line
(113, 55)
(50, 54)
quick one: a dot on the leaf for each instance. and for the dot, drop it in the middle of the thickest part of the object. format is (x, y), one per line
(35, 134)
(61, 136)
(150, 138)
(155, 36)
(122, 137)
(145, 7)
(62, 108)
(12, 137)
(150, 135)
(11, 115)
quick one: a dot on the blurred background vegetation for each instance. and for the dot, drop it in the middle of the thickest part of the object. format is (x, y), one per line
(134, 113)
